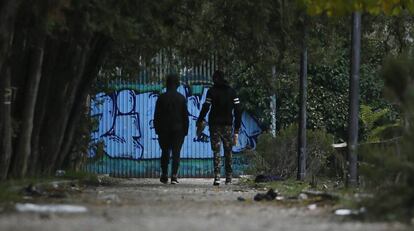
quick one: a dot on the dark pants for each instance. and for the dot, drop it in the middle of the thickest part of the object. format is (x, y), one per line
(222, 135)
(170, 143)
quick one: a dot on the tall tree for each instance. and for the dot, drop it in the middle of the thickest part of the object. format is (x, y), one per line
(8, 11)
(36, 53)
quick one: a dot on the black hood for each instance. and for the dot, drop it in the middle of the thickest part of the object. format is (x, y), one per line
(172, 82)
(218, 79)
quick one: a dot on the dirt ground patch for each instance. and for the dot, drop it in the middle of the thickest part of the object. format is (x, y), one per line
(194, 204)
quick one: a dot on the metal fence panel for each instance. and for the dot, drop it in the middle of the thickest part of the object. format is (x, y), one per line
(126, 136)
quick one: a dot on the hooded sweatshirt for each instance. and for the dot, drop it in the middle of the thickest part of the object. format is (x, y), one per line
(171, 114)
(224, 103)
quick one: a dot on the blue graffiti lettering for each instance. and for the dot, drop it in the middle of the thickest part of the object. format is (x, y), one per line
(126, 126)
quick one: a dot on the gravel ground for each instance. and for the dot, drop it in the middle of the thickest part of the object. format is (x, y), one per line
(194, 204)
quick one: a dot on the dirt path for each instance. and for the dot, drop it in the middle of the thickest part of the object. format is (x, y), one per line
(194, 204)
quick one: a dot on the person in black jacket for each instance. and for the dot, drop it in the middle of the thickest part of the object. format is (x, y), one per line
(171, 126)
(224, 105)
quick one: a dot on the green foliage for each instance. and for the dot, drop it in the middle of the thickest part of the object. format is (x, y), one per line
(84, 178)
(278, 155)
(8, 193)
(376, 125)
(328, 96)
(341, 7)
(243, 30)
(389, 167)
(248, 47)
(378, 43)
(328, 71)
(254, 85)
(387, 170)
(82, 145)
(247, 37)
(369, 117)
(398, 73)
(11, 190)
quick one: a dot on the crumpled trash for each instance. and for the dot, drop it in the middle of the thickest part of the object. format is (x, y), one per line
(60, 173)
(343, 212)
(312, 206)
(58, 193)
(270, 195)
(110, 198)
(33, 191)
(348, 212)
(321, 195)
(280, 198)
(55, 189)
(241, 199)
(303, 196)
(267, 178)
(51, 208)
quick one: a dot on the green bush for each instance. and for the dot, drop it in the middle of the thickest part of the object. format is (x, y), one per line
(387, 170)
(328, 92)
(376, 125)
(278, 155)
(388, 167)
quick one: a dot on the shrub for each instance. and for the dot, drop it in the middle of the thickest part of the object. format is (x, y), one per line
(389, 169)
(377, 126)
(328, 90)
(278, 155)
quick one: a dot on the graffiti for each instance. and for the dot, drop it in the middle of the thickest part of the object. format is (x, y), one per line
(126, 125)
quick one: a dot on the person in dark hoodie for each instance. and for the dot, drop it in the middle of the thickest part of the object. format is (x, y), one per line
(224, 104)
(171, 126)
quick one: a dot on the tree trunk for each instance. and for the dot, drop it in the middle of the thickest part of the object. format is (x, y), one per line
(66, 99)
(23, 150)
(52, 50)
(98, 55)
(71, 105)
(6, 124)
(8, 10)
(54, 97)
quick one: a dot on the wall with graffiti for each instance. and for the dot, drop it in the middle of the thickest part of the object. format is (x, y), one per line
(126, 131)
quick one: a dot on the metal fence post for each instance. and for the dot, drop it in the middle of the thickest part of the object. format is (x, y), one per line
(352, 176)
(302, 105)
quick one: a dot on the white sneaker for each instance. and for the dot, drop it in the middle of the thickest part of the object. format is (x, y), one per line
(216, 181)
(174, 179)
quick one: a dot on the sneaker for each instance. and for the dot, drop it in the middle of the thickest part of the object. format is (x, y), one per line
(228, 180)
(174, 180)
(216, 181)
(164, 179)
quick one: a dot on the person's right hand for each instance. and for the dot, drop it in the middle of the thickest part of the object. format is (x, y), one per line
(199, 128)
(235, 139)
(198, 124)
